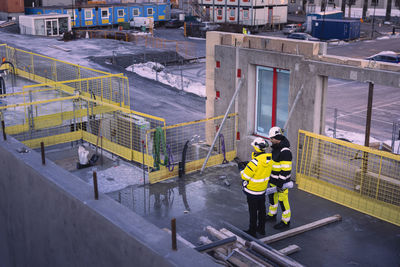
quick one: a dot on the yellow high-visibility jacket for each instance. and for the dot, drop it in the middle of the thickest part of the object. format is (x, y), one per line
(256, 174)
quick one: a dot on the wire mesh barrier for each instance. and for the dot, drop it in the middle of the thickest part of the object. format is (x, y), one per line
(355, 176)
(182, 148)
(185, 49)
(51, 116)
(340, 123)
(42, 69)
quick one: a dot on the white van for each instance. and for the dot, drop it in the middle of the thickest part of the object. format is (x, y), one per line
(139, 22)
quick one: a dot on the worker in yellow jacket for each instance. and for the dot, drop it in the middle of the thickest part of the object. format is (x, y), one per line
(255, 178)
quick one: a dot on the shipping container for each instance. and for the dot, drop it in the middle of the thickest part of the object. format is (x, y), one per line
(326, 29)
(322, 15)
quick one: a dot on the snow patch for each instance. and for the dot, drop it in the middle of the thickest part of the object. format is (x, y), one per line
(156, 71)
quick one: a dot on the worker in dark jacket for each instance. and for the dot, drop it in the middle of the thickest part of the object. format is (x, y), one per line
(281, 171)
(255, 178)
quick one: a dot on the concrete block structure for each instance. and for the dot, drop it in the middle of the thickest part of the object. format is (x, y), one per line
(274, 70)
(49, 217)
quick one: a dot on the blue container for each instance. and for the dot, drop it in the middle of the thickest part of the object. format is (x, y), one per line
(322, 15)
(326, 29)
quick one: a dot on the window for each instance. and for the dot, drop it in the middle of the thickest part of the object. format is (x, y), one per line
(136, 11)
(104, 13)
(272, 99)
(121, 13)
(374, 2)
(149, 11)
(311, 1)
(72, 14)
(232, 12)
(88, 14)
(397, 3)
(245, 13)
(219, 12)
(293, 1)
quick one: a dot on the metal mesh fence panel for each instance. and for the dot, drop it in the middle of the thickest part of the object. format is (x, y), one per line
(42, 69)
(189, 143)
(358, 177)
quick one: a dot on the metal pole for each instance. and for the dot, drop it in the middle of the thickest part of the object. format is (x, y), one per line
(42, 150)
(173, 234)
(222, 123)
(96, 190)
(369, 113)
(373, 22)
(293, 106)
(334, 122)
(4, 130)
(144, 173)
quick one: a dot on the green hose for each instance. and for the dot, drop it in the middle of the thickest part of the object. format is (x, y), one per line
(159, 137)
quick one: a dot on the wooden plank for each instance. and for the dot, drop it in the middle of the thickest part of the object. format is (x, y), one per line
(290, 249)
(301, 229)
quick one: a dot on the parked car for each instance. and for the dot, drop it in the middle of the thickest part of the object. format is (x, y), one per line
(386, 56)
(302, 36)
(291, 28)
(209, 26)
(174, 23)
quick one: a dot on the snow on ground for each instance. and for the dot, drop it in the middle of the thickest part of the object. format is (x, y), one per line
(358, 138)
(156, 71)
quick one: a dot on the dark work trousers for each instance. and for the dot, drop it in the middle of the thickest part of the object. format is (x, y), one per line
(257, 211)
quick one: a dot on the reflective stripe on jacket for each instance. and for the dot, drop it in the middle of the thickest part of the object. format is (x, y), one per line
(256, 174)
(282, 163)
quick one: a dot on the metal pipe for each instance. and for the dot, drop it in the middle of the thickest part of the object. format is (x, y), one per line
(273, 254)
(293, 106)
(96, 189)
(173, 234)
(4, 130)
(216, 244)
(369, 113)
(42, 150)
(222, 124)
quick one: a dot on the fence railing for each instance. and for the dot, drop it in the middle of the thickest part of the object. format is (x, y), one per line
(185, 49)
(355, 176)
(47, 70)
(186, 146)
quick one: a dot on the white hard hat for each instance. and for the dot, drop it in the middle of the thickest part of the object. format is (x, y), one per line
(274, 131)
(259, 144)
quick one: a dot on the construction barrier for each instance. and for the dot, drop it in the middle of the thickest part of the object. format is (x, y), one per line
(352, 175)
(186, 146)
(185, 49)
(47, 71)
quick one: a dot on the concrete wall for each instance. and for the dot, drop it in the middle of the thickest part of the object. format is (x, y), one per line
(48, 217)
(309, 68)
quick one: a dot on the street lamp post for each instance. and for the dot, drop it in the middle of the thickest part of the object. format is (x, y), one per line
(373, 19)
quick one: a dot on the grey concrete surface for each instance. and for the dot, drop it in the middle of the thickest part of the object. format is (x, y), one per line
(49, 218)
(214, 196)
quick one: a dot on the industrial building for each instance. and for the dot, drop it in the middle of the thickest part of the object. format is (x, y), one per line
(246, 12)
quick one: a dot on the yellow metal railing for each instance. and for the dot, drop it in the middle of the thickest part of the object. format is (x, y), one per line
(199, 135)
(47, 70)
(352, 175)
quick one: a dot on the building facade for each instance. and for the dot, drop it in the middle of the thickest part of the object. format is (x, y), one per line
(246, 12)
(11, 9)
(274, 72)
(354, 10)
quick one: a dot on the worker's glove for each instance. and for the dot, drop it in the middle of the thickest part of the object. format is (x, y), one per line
(245, 183)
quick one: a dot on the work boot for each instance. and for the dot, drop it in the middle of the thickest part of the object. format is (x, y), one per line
(282, 225)
(270, 218)
(251, 232)
(261, 230)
